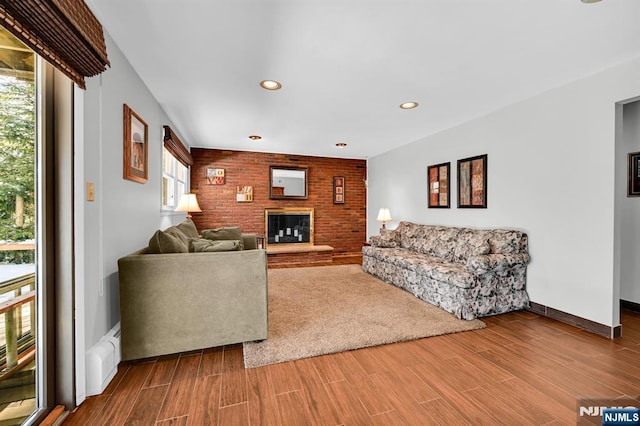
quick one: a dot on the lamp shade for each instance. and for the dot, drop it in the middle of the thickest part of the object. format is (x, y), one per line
(384, 215)
(188, 203)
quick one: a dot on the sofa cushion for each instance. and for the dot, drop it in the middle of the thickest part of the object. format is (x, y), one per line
(412, 235)
(188, 228)
(438, 241)
(442, 242)
(425, 265)
(225, 233)
(448, 272)
(471, 242)
(390, 255)
(167, 242)
(197, 245)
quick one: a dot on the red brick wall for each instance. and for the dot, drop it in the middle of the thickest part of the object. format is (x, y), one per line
(342, 226)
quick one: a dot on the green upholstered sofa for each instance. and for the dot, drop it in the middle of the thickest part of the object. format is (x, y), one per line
(176, 302)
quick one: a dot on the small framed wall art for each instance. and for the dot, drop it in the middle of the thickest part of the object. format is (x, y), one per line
(136, 147)
(633, 187)
(472, 182)
(338, 190)
(244, 194)
(215, 176)
(439, 188)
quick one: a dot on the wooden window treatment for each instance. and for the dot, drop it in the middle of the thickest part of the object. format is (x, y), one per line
(63, 32)
(175, 146)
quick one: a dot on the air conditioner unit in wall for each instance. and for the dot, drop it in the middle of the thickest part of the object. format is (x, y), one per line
(102, 361)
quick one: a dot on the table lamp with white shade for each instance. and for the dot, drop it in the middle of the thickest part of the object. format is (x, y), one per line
(384, 215)
(188, 203)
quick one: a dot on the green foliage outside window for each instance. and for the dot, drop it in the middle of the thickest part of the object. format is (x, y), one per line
(17, 165)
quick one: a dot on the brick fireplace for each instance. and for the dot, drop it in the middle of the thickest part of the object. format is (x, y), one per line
(341, 226)
(288, 225)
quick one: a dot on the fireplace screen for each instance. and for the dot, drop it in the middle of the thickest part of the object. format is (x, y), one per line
(289, 226)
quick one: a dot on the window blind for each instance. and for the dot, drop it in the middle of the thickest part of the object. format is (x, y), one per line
(175, 146)
(64, 32)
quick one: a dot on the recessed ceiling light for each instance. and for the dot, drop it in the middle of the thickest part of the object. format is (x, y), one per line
(341, 145)
(409, 105)
(590, 1)
(270, 85)
(255, 137)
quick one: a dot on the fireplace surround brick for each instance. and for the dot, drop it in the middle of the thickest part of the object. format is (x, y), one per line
(342, 226)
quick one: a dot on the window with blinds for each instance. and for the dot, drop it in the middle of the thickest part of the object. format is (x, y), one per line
(176, 160)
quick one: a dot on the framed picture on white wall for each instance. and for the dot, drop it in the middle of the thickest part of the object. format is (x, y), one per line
(633, 187)
(472, 182)
(136, 147)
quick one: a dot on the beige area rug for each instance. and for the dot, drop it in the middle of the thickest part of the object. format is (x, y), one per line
(327, 309)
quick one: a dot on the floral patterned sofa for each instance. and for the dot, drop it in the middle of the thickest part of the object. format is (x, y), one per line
(468, 272)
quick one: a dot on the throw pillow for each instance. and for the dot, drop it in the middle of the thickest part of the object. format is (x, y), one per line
(163, 242)
(188, 228)
(222, 234)
(176, 232)
(198, 245)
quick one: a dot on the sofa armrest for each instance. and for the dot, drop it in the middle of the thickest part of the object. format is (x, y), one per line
(250, 241)
(478, 265)
(378, 241)
(387, 239)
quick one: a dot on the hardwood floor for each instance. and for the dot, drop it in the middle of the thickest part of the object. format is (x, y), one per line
(522, 369)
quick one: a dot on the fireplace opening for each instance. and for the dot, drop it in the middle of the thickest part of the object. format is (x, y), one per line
(289, 226)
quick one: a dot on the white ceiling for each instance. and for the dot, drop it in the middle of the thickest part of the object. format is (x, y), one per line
(346, 65)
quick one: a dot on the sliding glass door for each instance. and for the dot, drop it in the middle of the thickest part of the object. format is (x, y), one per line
(19, 279)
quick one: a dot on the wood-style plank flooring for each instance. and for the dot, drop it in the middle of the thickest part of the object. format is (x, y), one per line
(522, 369)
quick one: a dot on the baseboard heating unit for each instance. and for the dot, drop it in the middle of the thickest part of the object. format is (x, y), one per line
(102, 361)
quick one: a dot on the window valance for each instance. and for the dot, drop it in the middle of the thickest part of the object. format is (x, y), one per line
(64, 32)
(175, 146)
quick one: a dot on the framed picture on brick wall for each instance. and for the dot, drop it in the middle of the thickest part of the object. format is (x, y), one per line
(215, 176)
(338, 190)
(244, 194)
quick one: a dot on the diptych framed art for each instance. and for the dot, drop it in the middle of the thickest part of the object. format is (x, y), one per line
(472, 182)
(439, 192)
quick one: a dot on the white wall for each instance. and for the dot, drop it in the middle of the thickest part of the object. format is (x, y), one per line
(550, 173)
(125, 214)
(629, 237)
